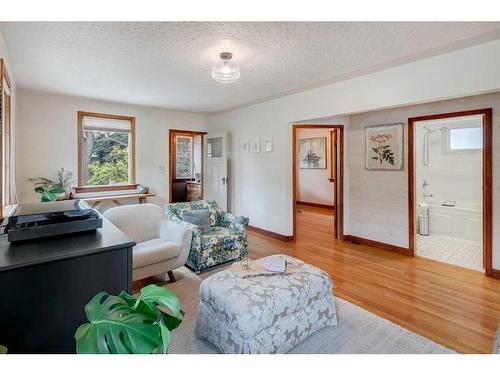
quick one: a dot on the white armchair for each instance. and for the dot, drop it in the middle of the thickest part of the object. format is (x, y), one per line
(162, 246)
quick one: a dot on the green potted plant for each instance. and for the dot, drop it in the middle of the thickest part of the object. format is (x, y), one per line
(126, 325)
(52, 190)
(3, 349)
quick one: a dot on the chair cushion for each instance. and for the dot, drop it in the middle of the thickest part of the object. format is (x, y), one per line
(209, 205)
(218, 246)
(198, 217)
(154, 251)
(219, 235)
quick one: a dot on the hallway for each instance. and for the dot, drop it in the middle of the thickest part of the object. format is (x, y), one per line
(315, 224)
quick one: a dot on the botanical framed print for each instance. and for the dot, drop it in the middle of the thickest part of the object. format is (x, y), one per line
(255, 144)
(267, 144)
(312, 153)
(244, 145)
(384, 147)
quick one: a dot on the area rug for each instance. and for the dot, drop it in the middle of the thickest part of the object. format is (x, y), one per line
(358, 332)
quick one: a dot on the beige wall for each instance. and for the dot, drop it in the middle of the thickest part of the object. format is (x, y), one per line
(379, 199)
(46, 138)
(313, 185)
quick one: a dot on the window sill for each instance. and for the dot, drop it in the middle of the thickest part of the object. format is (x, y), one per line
(103, 188)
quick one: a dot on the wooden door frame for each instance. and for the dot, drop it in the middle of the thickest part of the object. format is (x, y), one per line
(487, 114)
(172, 133)
(338, 183)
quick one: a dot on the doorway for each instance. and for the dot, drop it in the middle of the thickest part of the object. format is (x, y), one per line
(318, 174)
(450, 188)
(215, 169)
(185, 165)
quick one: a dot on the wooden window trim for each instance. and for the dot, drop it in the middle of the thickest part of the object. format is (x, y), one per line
(100, 188)
(6, 209)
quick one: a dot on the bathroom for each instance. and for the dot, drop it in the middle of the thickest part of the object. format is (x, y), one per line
(449, 190)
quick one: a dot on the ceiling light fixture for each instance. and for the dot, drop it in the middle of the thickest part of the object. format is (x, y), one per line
(226, 70)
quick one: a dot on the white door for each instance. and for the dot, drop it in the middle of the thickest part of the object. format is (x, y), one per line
(215, 169)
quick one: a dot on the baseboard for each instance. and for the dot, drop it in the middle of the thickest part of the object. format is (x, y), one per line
(377, 244)
(268, 233)
(319, 205)
(493, 273)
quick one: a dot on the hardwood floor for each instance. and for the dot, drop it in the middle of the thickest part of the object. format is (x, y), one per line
(456, 307)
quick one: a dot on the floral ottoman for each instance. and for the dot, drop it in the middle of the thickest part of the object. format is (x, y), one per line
(264, 314)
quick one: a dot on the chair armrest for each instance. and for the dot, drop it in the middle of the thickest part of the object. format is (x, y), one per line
(228, 220)
(174, 232)
(181, 235)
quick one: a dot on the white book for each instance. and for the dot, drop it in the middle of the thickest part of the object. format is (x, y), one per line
(275, 264)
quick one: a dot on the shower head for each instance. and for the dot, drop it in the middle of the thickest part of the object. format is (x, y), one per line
(426, 141)
(442, 129)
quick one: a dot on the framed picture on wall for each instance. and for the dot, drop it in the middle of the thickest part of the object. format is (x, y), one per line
(267, 144)
(183, 157)
(244, 146)
(384, 147)
(312, 153)
(255, 144)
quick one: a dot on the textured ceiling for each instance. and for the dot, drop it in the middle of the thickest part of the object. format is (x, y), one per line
(168, 64)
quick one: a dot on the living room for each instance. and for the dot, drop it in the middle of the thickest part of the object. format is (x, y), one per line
(154, 174)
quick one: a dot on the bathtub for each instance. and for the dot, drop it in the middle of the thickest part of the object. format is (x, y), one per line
(464, 221)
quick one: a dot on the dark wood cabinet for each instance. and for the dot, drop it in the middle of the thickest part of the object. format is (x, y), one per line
(44, 286)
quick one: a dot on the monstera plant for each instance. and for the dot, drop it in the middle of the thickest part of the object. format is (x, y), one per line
(127, 325)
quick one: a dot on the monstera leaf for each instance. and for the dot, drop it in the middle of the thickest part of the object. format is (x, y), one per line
(124, 324)
(153, 296)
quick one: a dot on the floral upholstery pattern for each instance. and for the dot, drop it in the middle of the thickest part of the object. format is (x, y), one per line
(264, 314)
(496, 345)
(226, 242)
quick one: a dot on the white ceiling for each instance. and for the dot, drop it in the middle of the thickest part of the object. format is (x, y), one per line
(168, 64)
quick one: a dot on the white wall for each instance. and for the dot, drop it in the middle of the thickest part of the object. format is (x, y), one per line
(47, 138)
(262, 184)
(313, 185)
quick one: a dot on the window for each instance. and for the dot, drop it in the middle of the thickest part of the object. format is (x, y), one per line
(106, 149)
(7, 197)
(460, 139)
(183, 157)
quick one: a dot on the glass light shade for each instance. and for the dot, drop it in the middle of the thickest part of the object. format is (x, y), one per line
(226, 71)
